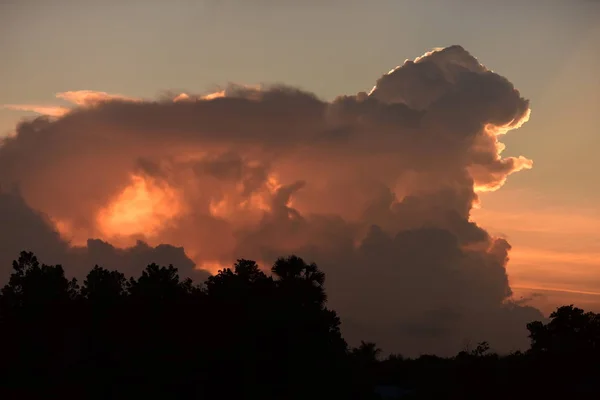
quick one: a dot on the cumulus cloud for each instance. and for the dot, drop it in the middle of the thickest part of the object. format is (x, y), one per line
(376, 188)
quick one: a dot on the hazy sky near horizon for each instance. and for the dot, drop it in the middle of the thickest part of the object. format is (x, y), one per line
(549, 50)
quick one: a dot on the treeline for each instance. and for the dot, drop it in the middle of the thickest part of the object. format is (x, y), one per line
(244, 334)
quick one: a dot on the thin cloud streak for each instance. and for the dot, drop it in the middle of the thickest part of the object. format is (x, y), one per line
(51, 111)
(564, 222)
(544, 240)
(88, 98)
(542, 256)
(551, 289)
(81, 98)
(91, 98)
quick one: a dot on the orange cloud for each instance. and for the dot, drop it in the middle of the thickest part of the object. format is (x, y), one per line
(367, 185)
(543, 256)
(535, 219)
(52, 111)
(142, 208)
(90, 98)
(81, 98)
(87, 98)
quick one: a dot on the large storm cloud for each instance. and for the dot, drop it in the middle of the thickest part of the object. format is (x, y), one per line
(376, 188)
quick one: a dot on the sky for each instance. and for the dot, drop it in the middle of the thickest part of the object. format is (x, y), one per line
(144, 49)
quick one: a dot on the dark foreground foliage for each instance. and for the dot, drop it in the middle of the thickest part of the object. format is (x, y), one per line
(248, 335)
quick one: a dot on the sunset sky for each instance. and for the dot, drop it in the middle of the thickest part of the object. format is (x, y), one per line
(550, 52)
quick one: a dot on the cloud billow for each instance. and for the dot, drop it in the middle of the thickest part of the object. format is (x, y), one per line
(376, 188)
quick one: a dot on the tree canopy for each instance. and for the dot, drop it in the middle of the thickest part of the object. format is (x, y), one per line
(246, 334)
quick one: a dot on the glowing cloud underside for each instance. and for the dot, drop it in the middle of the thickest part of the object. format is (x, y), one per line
(140, 209)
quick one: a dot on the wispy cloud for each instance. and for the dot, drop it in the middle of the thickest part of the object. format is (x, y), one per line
(554, 249)
(87, 98)
(535, 288)
(53, 111)
(538, 255)
(91, 98)
(80, 98)
(519, 218)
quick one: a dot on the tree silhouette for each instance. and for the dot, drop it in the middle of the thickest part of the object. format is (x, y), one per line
(34, 287)
(104, 287)
(300, 281)
(159, 285)
(248, 335)
(36, 308)
(366, 353)
(570, 331)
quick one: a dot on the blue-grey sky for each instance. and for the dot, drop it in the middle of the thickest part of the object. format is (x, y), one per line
(549, 49)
